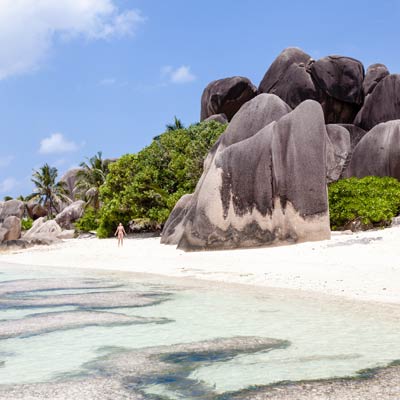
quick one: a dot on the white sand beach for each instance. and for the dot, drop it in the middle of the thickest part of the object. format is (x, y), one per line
(363, 266)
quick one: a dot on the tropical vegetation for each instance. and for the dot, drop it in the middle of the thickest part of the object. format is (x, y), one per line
(370, 201)
(48, 192)
(90, 178)
(147, 185)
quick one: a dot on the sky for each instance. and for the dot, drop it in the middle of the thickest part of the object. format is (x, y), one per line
(81, 76)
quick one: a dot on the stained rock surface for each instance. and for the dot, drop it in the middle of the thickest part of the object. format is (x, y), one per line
(288, 78)
(382, 105)
(70, 214)
(264, 182)
(226, 96)
(378, 153)
(10, 208)
(375, 73)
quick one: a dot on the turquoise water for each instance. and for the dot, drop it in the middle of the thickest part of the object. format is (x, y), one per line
(319, 337)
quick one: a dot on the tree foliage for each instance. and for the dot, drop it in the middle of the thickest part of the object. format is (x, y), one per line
(371, 200)
(148, 184)
(47, 192)
(90, 178)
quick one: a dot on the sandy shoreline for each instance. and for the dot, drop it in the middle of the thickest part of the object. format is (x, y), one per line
(363, 266)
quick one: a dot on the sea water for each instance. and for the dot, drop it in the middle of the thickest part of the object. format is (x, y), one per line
(326, 337)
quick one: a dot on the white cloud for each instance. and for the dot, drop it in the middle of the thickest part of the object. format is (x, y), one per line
(7, 185)
(56, 144)
(108, 82)
(29, 28)
(181, 74)
(6, 161)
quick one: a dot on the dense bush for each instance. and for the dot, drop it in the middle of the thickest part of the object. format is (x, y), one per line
(147, 185)
(89, 220)
(370, 201)
(26, 224)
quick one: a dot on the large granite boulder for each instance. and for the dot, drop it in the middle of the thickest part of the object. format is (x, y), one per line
(288, 78)
(378, 153)
(382, 105)
(221, 118)
(334, 81)
(42, 229)
(356, 134)
(253, 116)
(338, 150)
(70, 214)
(10, 208)
(226, 96)
(375, 73)
(340, 81)
(260, 189)
(340, 77)
(36, 210)
(69, 179)
(10, 229)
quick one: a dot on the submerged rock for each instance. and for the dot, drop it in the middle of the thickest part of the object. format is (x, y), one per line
(126, 374)
(39, 324)
(113, 299)
(226, 96)
(259, 188)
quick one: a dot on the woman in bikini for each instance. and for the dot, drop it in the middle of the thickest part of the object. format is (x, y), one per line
(120, 233)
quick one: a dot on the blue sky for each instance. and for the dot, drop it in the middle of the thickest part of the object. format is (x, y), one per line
(78, 76)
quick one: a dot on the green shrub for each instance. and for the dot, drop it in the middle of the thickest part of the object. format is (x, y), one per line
(147, 185)
(89, 220)
(370, 200)
(26, 224)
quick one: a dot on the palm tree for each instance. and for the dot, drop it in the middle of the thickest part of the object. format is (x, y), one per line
(91, 177)
(175, 126)
(48, 193)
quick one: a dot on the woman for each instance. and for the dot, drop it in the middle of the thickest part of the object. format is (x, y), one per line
(120, 233)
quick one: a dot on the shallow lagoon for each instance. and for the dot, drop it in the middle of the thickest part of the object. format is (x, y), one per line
(315, 337)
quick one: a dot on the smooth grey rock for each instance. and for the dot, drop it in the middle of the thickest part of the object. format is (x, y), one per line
(12, 225)
(338, 150)
(375, 73)
(340, 77)
(226, 96)
(253, 116)
(396, 221)
(70, 214)
(382, 105)
(43, 230)
(356, 134)
(70, 179)
(378, 152)
(67, 234)
(172, 231)
(334, 81)
(10, 208)
(266, 188)
(221, 118)
(339, 80)
(36, 210)
(287, 77)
